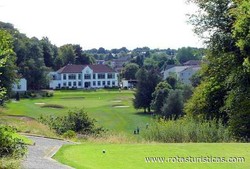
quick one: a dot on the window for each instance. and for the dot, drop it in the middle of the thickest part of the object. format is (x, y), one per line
(72, 77)
(87, 76)
(74, 83)
(79, 76)
(64, 77)
(93, 76)
(54, 77)
(103, 83)
(101, 76)
(113, 83)
(94, 83)
(111, 76)
(69, 84)
(79, 83)
(64, 84)
(108, 83)
(99, 83)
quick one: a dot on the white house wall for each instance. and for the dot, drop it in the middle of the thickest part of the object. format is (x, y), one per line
(182, 73)
(82, 82)
(20, 86)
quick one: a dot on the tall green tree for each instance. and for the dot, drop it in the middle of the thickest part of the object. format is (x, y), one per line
(159, 96)
(7, 63)
(146, 83)
(33, 67)
(173, 105)
(185, 54)
(67, 54)
(48, 52)
(224, 91)
(129, 71)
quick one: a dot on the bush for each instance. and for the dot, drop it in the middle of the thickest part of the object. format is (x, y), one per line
(76, 120)
(69, 134)
(188, 130)
(9, 145)
(9, 163)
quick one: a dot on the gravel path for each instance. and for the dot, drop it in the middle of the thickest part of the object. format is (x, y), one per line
(39, 155)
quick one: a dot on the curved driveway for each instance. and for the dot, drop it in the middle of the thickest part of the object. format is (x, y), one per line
(39, 155)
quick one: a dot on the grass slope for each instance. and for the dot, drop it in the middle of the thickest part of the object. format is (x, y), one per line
(131, 156)
(103, 105)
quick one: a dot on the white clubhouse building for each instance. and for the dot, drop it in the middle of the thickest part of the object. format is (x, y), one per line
(84, 76)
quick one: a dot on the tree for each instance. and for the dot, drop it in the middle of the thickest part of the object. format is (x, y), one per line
(159, 96)
(33, 67)
(129, 71)
(101, 50)
(173, 106)
(186, 54)
(67, 54)
(48, 52)
(7, 64)
(147, 81)
(224, 91)
(172, 81)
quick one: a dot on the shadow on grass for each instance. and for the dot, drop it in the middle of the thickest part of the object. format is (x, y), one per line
(144, 114)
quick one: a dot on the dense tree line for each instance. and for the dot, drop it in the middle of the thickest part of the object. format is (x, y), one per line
(33, 59)
(224, 92)
(10, 146)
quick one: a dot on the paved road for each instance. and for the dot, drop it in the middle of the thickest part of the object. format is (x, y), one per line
(39, 155)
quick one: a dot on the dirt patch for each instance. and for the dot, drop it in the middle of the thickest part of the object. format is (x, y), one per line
(24, 118)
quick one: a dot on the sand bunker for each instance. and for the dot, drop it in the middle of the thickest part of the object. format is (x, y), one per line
(121, 106)
(39, 103)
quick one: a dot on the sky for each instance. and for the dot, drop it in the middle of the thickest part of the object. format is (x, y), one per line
(104, 23)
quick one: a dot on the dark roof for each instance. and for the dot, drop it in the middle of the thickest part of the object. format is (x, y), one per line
(101, 68)
(71, 69)
(79, 68)
(192, 62)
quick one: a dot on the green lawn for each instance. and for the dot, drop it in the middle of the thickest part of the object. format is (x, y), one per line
(132, 156)
(112, 109)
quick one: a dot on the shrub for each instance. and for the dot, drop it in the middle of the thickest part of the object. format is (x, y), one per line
(188, 130)
(76, 120)
(9, 163)
(69, 134)
(9, 145)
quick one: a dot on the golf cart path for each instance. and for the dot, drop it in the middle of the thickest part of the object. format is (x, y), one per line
(39, 155)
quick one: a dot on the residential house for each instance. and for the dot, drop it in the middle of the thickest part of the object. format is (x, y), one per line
(84, 76)
(182, 73)
(118, 64)
(100, 62)
(20, 85)
(192, 63)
